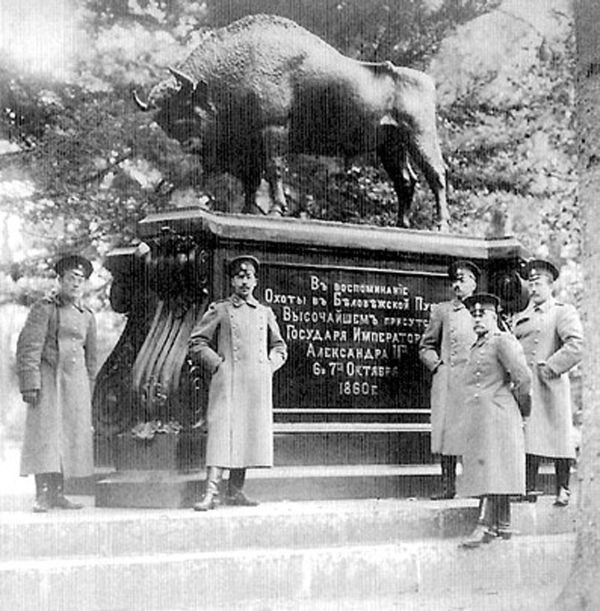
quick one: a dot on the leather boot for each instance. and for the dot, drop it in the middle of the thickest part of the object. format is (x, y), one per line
(562, 498)
(42, 493)
(448, 464)
(562, 470)
(235, 496)
(211, 498)
(532, 466)
(503, 517)
(484, 531)
(483, 510)
(57, 497)
(480, 536)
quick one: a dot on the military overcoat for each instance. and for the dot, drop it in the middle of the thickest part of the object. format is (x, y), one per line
(494, 456)
(444, 349)
(56, 354)
(550, 332)
(239, 342)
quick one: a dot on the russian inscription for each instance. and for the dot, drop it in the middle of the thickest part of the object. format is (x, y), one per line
(352, 333)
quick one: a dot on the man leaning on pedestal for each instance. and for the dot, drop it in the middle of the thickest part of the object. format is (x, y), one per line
(444, 349)
(552, 338)
(239, 342)
(56, 365)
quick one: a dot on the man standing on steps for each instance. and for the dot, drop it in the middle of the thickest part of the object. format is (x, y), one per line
(497, 384)
(444, 349)
(239, 342)
(56, 365)
(552, 337)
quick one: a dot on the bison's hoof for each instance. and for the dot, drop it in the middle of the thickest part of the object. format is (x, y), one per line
(276, 212)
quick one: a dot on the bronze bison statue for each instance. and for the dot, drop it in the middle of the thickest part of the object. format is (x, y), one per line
(263, 87)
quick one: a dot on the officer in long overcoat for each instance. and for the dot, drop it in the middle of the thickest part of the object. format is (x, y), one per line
(56, 366)
(444, 349)
(238, 341)
(551, 335)
(497, 386)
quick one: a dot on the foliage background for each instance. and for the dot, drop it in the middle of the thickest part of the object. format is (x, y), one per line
(79, 165)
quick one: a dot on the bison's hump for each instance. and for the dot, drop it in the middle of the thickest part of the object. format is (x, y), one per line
(252, 23)
(261, 20)
(255, 50)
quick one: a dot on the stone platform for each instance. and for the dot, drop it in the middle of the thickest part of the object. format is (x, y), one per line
(170, 489)
(327, 554)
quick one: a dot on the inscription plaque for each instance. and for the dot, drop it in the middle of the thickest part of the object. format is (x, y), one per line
(353, 336)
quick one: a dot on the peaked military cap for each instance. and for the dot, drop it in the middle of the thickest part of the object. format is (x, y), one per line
(482, 301)
(463, 264)
(76, 262)
(535, 267)
(243, 263)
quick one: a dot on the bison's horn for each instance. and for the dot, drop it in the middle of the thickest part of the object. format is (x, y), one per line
(141, 105)
(182, 78)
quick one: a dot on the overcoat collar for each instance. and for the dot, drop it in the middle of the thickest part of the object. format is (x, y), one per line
(543, 307)
(532, 308)
(457, 304)
(58, 300)
(482, 339)
(238, 301)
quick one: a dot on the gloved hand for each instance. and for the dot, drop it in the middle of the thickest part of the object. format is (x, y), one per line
(524, 403)
(31, 396)
(545, 372)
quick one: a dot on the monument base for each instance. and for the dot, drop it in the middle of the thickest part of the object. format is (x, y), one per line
(342, 462)
(312, 461)
(170, 489)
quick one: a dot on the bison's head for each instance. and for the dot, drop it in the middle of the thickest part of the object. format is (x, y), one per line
(182, 109)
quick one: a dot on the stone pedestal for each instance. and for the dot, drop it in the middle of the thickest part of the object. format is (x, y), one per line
(352, 302)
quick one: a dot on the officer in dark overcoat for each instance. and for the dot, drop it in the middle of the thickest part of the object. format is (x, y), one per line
(56, 366)
(238, 341)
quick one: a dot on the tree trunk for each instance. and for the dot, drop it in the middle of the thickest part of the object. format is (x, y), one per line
(582, 590)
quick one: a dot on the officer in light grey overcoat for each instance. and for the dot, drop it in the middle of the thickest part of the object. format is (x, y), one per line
(56, 366)
(444, 349)
(238, 341)
(497, 384)
(552, 336)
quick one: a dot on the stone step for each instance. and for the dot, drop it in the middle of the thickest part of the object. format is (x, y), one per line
(169, 489)
(501, 597)
(243, 578)
(118, 532)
